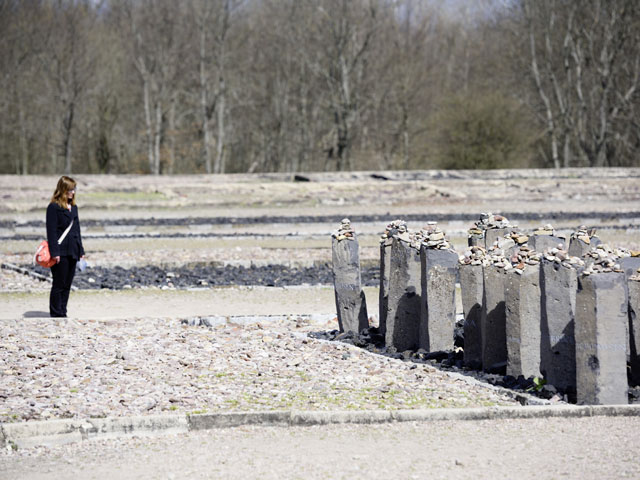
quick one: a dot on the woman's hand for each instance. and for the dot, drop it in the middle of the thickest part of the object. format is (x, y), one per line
(57, 259)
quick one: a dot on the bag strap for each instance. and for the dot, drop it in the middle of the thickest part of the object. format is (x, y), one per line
(64, 234)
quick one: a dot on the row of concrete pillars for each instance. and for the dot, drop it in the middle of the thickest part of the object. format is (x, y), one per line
(548, 320)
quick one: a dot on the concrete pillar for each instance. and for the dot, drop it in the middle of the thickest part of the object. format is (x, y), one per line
(439, 269)
(493, 323)
(634, 329)
(558, 354)
(601, 314)
(383, 298)
(393, 228)
(630, 266)
(405, 290)
(472, 291)
(540, 243)
(522, 303)
(350, 300)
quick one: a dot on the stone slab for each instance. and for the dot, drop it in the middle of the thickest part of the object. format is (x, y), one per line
(601, 315)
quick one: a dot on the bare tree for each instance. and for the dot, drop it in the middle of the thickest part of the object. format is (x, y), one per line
(585, 60)
(337, 40)
(69, 65)
(157, 48)
(213, 20)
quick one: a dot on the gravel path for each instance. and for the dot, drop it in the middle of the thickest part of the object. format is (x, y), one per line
(588, 448)
(53, 368)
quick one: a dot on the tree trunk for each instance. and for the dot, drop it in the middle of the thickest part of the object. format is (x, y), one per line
(147, 119)
(204, 97)
(157, 139)
(172, 135)
(68, 126)
(220, 111)
(23, 167)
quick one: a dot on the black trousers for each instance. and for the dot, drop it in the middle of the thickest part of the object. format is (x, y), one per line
(62, 274)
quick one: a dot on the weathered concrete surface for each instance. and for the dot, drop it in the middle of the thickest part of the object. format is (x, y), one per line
(558, 349)
(601, 314)
(493, 323)
(438, 311)
(634, 330)
(522, 303)
(404, 301)
(540, 243)
(472, 292)
(383, 296)
(351, 305)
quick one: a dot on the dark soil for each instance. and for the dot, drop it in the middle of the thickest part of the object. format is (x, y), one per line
(200, 275)
(382, 219)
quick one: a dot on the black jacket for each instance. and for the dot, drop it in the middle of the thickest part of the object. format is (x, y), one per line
(58, 219)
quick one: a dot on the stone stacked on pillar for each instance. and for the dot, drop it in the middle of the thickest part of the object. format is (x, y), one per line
(439, 267)
(402, 331)
(386, 239)
(488, 229)
(350, 299)
(522, 310)
(601, 315)
(472, 292)
(559, 283)
(604, 259)
(582, 241)
(545, 237)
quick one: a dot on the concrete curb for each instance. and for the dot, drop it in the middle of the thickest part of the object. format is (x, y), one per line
(60, 432)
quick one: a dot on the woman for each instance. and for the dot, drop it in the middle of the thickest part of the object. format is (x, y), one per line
(61, 212)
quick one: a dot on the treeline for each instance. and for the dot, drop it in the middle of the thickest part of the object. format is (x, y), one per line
(166, 86)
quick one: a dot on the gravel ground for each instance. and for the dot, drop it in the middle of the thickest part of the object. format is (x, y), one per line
(587, 448)
(54, 368)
